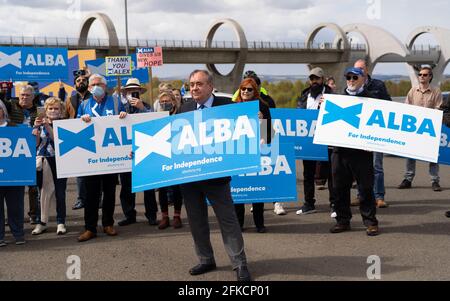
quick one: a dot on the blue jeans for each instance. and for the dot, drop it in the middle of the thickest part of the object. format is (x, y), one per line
(411, 171)
(378, 172)
(14, 197)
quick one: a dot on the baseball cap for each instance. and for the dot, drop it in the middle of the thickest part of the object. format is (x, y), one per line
(316, 72)
(354, 70)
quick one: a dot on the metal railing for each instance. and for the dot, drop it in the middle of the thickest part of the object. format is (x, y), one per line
(104, 43)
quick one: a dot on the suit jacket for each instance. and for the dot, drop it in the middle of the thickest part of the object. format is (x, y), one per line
(192, 106)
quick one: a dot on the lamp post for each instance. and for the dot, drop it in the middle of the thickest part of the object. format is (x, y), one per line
(126, 27)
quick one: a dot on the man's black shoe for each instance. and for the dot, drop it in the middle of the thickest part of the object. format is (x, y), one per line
(405, 184)
(338, 228)
(126, 222)
(243, 274)
(78, 205)
(436, 187)
(202, 268)
(153, 221)
(447, 214)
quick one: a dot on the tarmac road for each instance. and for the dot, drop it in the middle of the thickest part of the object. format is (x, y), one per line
(414, 242)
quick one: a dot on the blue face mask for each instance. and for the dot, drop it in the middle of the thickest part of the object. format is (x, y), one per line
(97, 91)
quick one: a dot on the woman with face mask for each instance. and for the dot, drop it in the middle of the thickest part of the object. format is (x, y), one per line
(167, 102)
(51, 188)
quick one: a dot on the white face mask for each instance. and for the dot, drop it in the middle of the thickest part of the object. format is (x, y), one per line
(53, 115)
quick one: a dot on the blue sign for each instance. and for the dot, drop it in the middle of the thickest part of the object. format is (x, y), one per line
(275, 182)
(18, 156)
(199, 145)
(297, 127)
(98, 66)
(444, 147)
(33, 64)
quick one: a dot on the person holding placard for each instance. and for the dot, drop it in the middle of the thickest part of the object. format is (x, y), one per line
(347, 163)
(51, 188)
(13, 196)
(248, 91)
(133, 104)
(217, 191)
(100, 104)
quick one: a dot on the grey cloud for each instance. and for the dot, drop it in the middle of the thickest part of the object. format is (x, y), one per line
(289, 4)
(177, 6)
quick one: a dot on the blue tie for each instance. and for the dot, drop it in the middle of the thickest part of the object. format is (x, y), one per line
(201, 107)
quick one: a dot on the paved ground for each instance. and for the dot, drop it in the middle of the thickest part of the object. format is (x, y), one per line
(414, 244)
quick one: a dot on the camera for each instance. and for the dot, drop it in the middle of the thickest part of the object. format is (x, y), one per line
(135, 95)
(80, 72)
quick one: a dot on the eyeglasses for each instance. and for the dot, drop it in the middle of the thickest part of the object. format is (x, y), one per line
(354, 77)
(424, 74)
(243, 89)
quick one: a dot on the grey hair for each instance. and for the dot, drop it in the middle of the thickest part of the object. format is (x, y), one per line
(96, 75)
(205, 72)
(27, 88)
(5, 111)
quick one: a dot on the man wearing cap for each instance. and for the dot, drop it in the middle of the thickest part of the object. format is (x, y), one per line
(311, 98)
(378, 89)
(132, 92)
(347, 163)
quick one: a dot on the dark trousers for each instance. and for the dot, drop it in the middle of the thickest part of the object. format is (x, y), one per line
(346, 165)
(322, 171)
(128, 199)
(81, 189)
(309, 171)
(14, 198)
(194, 195)
(176, 196)
(33, 199)
(94, 187)
(258, 214)
(60, 190)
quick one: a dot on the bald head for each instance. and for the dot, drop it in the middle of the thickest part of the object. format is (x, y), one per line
(363, 65)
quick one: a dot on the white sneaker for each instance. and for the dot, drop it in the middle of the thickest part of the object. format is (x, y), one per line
(278, 209)
(39, 229)
(61, 230)
(333, 214)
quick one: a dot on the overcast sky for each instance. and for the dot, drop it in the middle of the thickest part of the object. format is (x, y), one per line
(267, 20)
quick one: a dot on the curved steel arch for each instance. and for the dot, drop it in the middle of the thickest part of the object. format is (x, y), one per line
(336, 28)
(238, 68)
(108, 25)
(379, 42)
(442, 35)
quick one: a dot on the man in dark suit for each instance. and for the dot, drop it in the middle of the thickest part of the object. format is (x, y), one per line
(218, 193)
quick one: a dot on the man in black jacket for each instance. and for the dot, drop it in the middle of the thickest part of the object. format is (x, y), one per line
(347, 163)
(311, 98)
(379, 91)
(218, 193)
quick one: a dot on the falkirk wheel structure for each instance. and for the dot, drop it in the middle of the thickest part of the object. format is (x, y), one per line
(380, 44)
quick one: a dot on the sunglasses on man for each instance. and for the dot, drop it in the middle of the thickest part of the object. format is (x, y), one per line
(424, 74)
(350, 77)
